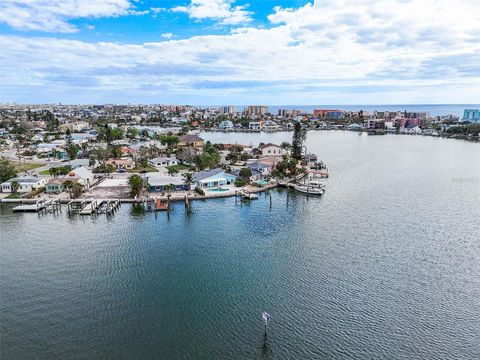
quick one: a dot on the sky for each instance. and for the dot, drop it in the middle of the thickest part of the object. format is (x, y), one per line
(237, 52)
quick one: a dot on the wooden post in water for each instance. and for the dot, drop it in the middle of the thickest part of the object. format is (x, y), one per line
(266, 319)
(270, 201)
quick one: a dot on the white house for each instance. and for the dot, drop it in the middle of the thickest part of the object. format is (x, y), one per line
(271, 149)
(213, 178)
(260, 170)
(255, 125)
(411, 129)
(163, 161)
(84, 176)
(26, 184)
(226, 125)
(270, 125)
(78, 126)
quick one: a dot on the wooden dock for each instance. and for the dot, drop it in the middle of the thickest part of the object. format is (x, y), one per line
(93, 206)
(108, 206)
(38, 206)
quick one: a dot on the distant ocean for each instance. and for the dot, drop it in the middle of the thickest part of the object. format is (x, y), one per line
(434, 110)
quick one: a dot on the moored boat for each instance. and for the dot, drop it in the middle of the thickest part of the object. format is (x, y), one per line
(308, 189)
(249, 196)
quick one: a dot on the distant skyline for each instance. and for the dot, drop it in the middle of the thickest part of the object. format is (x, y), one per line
(240, 52)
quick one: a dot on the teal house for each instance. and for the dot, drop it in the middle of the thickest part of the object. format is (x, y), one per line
(213, 178)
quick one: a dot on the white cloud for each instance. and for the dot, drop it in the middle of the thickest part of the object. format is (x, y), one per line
(53, 15)
(156, 10)
(222, 10)
(167, 35)
(329, 51)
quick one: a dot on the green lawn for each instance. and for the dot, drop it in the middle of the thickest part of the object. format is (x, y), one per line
(20, 166)
(45, 172)
(181, 167)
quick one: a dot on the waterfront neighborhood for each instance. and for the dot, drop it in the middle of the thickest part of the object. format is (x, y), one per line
(154, 154)
(48, 159)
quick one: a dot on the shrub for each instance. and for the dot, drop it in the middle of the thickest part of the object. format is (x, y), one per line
(35, 192)
(240, 182)
(199, 191)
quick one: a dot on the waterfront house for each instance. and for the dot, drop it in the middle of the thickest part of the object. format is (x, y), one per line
(226, 125)
(271, 149)
(406, 122)
(163, 161)
(81, 174)
(26, 184)
(270, 125)
(213, 178)
(57, 185)
(191, 140)
(411, 129)
(255, 125)
(122, 164)
(272, 161)
(354, 127)
(159, 183)
(260, 170)
(375, 124)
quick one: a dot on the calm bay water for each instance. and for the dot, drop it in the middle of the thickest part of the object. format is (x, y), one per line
(385, 266)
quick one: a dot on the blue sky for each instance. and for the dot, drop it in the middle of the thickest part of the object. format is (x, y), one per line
(240, 52)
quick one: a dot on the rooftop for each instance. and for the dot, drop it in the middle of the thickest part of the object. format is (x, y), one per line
(207, 173)
(190, 138)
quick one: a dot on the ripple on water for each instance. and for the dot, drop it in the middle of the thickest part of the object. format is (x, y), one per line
(385, 265)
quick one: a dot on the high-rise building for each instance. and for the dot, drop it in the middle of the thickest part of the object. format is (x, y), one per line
(256, 110)
(228, 109)
(288, 112)
(327, 113)
(472, 115)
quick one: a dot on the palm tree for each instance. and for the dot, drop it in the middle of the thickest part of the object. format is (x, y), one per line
(286, 146)
(188, 179)
(169, 188)
(136, 185)
(172, 171)
(15, 186)
(68, 186)
(76, 189)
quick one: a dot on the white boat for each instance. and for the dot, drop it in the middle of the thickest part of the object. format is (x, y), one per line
(316, 184)
(309, 190)
(249, 196)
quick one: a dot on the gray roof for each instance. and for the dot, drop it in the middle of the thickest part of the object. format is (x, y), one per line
(24, 179)
(206, 174)
(258, 165)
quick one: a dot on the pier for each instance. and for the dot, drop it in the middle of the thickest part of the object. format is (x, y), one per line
(108, 206)
(93, 206)
(39, 206)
